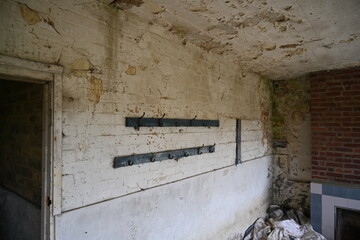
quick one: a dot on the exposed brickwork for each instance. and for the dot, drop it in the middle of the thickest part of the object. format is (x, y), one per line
(335, 110)
(21, 138)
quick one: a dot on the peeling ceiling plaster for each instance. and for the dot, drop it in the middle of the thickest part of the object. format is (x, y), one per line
(275, 38)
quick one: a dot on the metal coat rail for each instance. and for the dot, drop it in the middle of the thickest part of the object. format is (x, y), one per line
(130, 160)
(138, 122)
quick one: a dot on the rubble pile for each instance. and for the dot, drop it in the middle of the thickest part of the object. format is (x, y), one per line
(280, 224)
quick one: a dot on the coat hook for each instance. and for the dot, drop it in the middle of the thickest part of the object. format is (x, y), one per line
(130, 163)
(142, 116)
(139, 122)
(192, 120)
(152, 159)
(160, 122)
(200, 151)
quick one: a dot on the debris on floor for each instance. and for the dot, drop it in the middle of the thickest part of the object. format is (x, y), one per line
(280, 224)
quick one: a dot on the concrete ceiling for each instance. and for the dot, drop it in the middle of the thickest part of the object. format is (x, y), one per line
(275, 38)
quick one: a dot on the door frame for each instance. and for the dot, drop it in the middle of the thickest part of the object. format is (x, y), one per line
(50, 76)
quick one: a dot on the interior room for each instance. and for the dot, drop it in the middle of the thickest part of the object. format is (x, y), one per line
(181, 119)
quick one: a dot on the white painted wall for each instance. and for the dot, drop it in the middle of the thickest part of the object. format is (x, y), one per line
(118, 65)
(215, 205)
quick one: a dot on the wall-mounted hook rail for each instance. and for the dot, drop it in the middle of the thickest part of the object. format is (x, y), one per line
(169, 122)
(130, 160)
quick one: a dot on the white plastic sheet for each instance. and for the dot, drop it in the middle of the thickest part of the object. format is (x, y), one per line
(290, 226)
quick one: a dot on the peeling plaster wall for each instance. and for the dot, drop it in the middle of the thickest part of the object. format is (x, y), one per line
(277, 39)
(117, 65)
(291, 142)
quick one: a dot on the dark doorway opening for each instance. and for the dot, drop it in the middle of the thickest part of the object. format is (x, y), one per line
(347, 224)
(21, 159)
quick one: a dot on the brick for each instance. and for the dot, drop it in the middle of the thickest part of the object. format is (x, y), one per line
(352, 177)
(334, 144)
(335, 154)
(355, 182)
(352, 145)
(315, 149)
(334, 164)
(319, 168)
(331, 174)
(356, 76)
(342, 170)
(328, 134)
(338, 149)
(352, 93)
(348, 165)
(342, 180)
(344, 140)
(351, 114)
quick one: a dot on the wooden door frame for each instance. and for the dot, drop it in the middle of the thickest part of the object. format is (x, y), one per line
(51, 76)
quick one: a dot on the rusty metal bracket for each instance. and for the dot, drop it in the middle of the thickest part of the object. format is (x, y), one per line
(130, 160)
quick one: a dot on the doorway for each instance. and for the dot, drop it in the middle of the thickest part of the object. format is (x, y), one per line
(23, 159)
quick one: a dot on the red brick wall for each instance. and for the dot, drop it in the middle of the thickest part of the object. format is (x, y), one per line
(335, 126)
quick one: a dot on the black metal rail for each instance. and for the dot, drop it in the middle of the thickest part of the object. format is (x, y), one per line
(169, 122)
(130, 160)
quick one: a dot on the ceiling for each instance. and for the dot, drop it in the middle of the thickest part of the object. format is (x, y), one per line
(276, 38)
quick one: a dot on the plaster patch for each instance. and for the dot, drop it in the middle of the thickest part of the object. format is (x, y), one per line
(131, 70)
(298, 51)
(205, 42)
(228, 29)
(161, 22)
(126, 4)
(95, 90)
(81, 64)
(30, 16)
(268, 15)
(347, 40)
(153, 7)
(197, 8)
(269, 46)
(178, 30)
(290, 45)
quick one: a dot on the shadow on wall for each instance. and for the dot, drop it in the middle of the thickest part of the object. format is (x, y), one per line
(19, 219)
(291, 142)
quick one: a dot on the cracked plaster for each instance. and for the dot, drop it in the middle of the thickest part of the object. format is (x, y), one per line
(277, 39)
